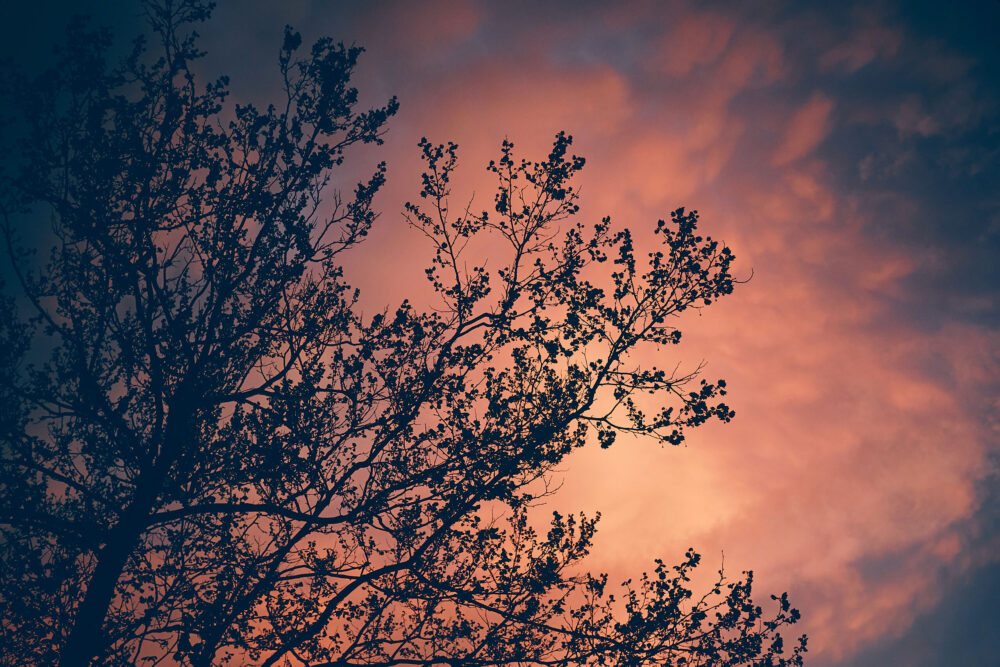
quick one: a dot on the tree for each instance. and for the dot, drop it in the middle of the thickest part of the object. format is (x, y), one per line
(215, 458)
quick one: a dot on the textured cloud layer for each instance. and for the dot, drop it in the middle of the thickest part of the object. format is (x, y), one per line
(838, 155)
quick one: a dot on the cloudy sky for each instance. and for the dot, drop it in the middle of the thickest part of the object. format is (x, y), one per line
(849, 154)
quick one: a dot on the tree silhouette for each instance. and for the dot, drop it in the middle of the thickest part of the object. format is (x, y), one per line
(211, 456)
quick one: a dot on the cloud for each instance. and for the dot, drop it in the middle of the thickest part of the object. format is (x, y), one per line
(911, 119)
(869, 42)
(807, 127)
(431, 26)
(693, 40)
(850, 474)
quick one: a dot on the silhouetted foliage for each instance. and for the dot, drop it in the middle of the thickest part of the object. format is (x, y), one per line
(212, 457)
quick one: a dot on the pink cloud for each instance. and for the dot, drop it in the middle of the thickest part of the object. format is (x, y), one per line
(807, 127)
(755, 59)
(872, 40)
(427, 26)
(847, 451)
(693, 40)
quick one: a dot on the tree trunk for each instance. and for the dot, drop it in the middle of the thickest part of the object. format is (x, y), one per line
(86, 639)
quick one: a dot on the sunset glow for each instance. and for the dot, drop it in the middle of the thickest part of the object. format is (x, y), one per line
(849, 155)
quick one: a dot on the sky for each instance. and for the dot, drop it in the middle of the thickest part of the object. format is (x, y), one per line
(849, 154)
